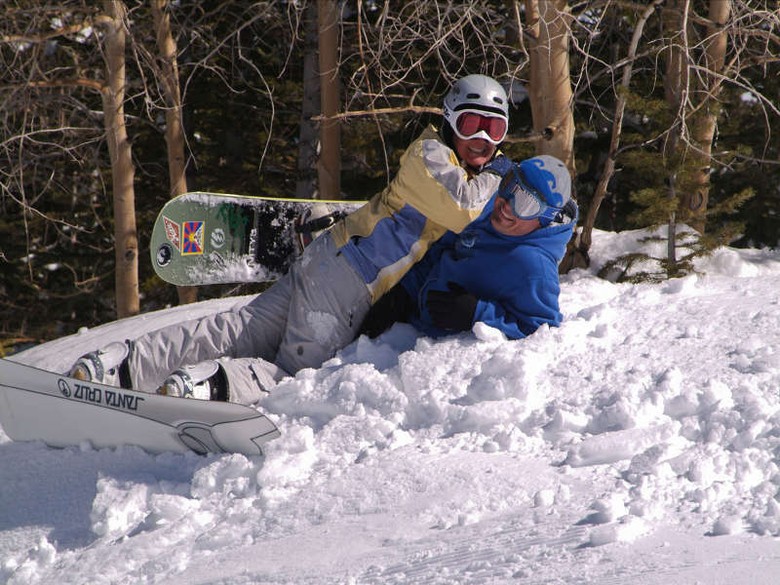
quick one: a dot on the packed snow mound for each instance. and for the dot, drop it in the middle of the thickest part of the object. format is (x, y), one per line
(470, 459)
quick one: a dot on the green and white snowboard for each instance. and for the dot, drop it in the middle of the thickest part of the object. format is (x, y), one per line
(213, 238)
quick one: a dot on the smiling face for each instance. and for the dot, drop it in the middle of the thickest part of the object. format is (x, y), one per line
(505, 222)
(475, 152)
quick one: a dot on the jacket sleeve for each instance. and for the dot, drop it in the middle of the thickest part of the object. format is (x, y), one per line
(414, 280)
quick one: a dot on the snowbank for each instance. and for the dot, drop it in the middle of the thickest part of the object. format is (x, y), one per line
(613, 448)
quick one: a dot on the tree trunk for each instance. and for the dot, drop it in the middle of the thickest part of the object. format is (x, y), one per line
(676, 91)
(174, 128)
(122, 171)
(695, 200)
(306, 183)
(550, 80)
(329, 167)
(550, 91)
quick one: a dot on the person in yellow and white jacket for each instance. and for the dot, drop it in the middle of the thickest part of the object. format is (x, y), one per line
(444, 180)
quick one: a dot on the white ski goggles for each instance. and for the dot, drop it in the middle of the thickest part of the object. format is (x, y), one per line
(478, 124)
(526, 201)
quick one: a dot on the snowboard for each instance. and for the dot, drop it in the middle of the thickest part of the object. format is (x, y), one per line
(38, 405)
(213, 238)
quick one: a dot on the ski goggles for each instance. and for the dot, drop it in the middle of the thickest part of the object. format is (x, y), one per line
(474, 124)
(526, 201)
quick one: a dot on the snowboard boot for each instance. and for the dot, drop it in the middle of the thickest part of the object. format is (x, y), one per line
(203, 381)
(105, 366)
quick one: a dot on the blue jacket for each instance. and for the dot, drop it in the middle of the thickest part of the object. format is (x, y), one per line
(515, 278)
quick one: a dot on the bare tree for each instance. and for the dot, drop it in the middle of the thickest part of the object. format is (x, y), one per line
(306, 184)
(55, 76)
(550, 80)
(705, 119)
(577, 254)
(122, 170)
(696, 73)
(169, 79)
(47, 112)
(329, 164)
(174, 126)
(403, 57)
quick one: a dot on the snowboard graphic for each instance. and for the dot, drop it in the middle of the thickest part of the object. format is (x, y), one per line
(38, 405)
(212, 238)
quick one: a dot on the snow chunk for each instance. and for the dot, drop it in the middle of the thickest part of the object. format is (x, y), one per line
(619, 445)
(118, 507)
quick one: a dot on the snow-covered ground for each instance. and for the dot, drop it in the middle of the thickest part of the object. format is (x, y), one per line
(637, 443)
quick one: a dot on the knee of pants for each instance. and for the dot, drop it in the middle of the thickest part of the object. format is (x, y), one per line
(250, 379)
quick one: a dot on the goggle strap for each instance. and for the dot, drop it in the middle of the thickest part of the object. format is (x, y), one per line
(496, 112)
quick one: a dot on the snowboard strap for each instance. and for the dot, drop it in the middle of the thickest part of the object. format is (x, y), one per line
(308, 229)
(123, 369)
(319, 223)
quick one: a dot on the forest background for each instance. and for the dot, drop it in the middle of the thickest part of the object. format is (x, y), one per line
(665, 111)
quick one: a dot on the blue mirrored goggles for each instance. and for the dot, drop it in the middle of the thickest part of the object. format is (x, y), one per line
(526, 201)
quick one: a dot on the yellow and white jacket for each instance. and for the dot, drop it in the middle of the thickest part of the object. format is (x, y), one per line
(430, 194)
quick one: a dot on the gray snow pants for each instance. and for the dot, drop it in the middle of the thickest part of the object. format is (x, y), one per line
(301, 321)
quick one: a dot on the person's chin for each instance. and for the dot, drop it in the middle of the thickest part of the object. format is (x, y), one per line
(478, 162)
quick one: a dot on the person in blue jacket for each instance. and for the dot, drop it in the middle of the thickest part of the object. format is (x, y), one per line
(502, 269)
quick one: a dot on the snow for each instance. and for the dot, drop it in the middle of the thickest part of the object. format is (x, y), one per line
(636, 443)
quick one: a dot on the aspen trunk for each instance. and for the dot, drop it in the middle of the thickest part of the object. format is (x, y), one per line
(694, 201)
(174, 127)
(550, 80)
(122, 171)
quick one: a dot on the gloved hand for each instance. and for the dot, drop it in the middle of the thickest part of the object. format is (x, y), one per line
(500, 165)
(452, 310)
(394, 306)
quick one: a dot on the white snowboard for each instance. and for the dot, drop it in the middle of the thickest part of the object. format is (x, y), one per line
(37, 405)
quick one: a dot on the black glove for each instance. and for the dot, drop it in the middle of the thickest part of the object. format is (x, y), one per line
(452, 310)
(395, 306)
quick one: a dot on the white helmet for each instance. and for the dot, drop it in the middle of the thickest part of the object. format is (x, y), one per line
(479, 94)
